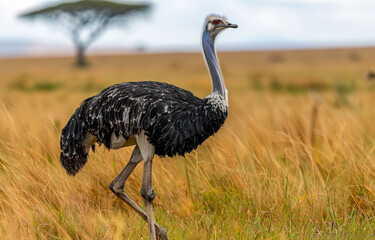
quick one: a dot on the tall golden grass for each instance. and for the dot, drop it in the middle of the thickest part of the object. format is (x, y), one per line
(295, 158)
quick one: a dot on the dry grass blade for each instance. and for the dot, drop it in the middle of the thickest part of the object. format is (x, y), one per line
(286, 164)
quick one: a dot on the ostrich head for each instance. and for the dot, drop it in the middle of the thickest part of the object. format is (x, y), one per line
(215, 24)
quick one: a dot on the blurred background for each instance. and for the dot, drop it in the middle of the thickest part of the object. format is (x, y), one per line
(176, 26)
(294, 160)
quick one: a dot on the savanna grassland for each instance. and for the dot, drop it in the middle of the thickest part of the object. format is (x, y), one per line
(295, 159)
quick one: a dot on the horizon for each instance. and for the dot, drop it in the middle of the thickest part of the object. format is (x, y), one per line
(113, 52)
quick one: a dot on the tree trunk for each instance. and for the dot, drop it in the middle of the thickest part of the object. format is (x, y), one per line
(80, 58)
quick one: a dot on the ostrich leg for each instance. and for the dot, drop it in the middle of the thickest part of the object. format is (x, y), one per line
(147, 192)
(117, 187)
(148, 195)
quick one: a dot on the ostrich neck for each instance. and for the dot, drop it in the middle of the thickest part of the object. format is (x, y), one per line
(208, 43)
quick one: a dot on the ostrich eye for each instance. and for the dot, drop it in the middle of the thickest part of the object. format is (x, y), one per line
(216, 22)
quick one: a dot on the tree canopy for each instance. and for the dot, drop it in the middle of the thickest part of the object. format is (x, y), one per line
(86, 20)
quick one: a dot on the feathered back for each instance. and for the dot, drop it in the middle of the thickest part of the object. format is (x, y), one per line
(174, 120)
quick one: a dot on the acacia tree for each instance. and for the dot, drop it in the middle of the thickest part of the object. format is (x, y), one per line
(84, 21)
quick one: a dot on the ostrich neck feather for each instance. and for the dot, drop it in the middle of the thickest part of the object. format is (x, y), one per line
(208, 43)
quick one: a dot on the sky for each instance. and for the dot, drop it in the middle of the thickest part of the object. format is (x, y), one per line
(177, 25)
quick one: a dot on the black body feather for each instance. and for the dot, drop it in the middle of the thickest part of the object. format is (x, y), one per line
(174, 120)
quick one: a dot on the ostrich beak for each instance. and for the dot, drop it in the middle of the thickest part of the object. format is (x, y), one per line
(231, 25)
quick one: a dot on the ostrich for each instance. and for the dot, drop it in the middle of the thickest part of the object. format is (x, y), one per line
(158, 118)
